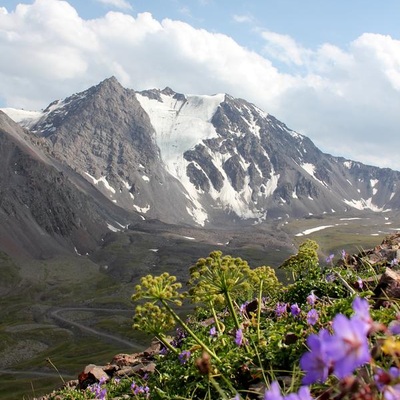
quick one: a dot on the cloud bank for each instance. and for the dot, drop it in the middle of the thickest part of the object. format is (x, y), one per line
(347, 100)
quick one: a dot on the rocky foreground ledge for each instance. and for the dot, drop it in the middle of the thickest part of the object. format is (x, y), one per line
(387, 254)
(121, 366)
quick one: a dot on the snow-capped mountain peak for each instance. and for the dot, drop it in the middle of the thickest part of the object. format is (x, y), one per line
(201, 159)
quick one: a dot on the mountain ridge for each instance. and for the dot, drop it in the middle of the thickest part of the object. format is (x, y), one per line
(196, 160)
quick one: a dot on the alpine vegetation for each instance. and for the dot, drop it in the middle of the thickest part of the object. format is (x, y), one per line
(327, 334)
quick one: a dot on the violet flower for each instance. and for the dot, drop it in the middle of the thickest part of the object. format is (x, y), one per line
(302, 394)
(392, 392)
(312, 317)
(184, 356)
(348, 347)
(295, 310)
(280, 309)
(274, 392)
(213, 331)
(361, 312)
(360, 283)
(329, 259)
(316, 362)
(239, 337)
(394, 327)
(311, 298)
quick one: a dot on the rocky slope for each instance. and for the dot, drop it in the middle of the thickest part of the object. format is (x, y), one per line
(42, 211)
(203, 160)
(193, 160)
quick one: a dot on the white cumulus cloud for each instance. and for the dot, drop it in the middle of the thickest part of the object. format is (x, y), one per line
(121, 4)
(345, 99)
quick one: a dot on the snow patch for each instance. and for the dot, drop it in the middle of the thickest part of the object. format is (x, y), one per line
(113, 228)
(143, 210)
(103, 180)
(23, 117)
(310, 168)
(180, 124)
(373, 182)
(363, 204)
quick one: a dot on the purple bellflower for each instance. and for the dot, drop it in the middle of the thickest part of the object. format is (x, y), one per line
(311, 298)
(239, 337)
(329, 259)
(361, 312)
(274, 392)
(316, 362)
(280, 309)
(184, 356)
(348, 347)
(312, 317)
(295, 310)
(302, 394)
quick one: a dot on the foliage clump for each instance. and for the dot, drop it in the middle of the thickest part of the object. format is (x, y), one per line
(252, 337)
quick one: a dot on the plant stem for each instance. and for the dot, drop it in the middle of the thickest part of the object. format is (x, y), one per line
(167, 344)
(218, 388)
(232, 309)
(215, 318)
(188, 330)
(234, 315)
(259, 309)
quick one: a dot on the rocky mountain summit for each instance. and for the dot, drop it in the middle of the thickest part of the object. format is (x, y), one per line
(189, 159)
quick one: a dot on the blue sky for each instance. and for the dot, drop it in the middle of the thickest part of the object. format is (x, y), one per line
(328, 69)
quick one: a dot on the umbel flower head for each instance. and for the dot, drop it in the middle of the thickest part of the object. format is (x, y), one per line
(216, 276)
(152, 319)
(163, 287)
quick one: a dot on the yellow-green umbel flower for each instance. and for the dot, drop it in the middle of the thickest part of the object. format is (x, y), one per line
(163, 287)
(217, 275)
(150, 318)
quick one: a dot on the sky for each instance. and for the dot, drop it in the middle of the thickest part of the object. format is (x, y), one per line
(329, 70)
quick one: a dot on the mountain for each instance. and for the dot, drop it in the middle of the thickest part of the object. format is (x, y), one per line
(198, 160)
(45, 208)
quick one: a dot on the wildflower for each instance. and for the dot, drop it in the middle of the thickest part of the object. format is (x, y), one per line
(343, 253)
(394, 262)
(329, 259)
(383, 378)
(117, 381)
(394, 327)
(295, 309)
(184, 356)
(348, 347)
(312, 316)
(99, 393)
(392, 392)
(274, 392)
(302, 394)
(330, 278)
(311, 298)
(179, 338)
(239, 337)
(361, 310)
(137, 389)
(280, 309)
(360, 282)
(102, 380)
(394, 372)
(316, 362)
(213, 331)
(391, 346)
(242, 308)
